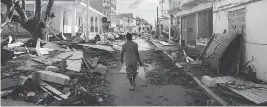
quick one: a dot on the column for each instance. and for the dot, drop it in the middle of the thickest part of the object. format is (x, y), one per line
(98, 24)
(197, 28)
(180, 29)
(170, 28)
(94, 23)
(73, 25)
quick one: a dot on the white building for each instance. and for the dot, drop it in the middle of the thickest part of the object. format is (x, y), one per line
(252, 14)
(71, 16)
(126, 22)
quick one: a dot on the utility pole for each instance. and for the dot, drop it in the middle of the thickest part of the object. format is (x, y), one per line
(87, 18)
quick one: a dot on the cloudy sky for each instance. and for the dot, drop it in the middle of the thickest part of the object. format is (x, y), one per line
(146, 9)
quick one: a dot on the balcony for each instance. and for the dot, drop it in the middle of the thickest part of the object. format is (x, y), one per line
(106, 4)
(175, 4)
(190, 3)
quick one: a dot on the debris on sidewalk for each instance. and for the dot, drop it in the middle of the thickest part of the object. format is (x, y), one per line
(222, 51)
(256, 93)
(48, 73)
(102, 47)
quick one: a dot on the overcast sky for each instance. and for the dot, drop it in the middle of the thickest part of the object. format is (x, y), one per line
(146, 9)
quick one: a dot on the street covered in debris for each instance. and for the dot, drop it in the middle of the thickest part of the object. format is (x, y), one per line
(133, 53)
(95, 78)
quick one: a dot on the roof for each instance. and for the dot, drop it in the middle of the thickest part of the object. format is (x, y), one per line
(69, 2)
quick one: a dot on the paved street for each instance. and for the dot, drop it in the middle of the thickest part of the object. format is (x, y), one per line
(164, 84)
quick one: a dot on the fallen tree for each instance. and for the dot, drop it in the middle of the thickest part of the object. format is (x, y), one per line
(34, 25)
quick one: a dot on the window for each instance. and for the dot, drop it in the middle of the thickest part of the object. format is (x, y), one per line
(96, 24)
(65, 18)
(77, 20)
(80, 21)
(92, 21)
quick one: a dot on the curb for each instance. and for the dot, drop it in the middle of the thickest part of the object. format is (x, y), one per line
(203, 87)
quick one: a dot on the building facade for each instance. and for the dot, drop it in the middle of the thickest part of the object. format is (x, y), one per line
(199, 19)
(231, 15)
(126, 22)
(106, 7)
(70, 16)
(194, 20)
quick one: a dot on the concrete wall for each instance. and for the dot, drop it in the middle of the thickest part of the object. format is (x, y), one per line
(220, 22)
(256, 22)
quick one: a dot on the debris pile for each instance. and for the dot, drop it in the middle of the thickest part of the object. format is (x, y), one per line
(56, 73)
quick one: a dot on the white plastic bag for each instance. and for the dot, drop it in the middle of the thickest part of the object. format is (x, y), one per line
(141, 73)
(123, 68)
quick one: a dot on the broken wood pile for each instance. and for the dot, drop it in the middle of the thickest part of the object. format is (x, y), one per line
(56, 74)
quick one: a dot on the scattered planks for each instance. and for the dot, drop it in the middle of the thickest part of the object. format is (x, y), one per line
(48, 88)
(64, 101)
(101, 47)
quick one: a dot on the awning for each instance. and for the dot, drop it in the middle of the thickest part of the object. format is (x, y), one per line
(186, 10)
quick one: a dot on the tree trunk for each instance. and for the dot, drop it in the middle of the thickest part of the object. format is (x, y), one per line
(35, 25)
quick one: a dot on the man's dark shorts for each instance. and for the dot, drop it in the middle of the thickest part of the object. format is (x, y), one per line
(131, 70)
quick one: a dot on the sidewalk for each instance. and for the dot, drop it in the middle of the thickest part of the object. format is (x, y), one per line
(207, 90)
(228, 89)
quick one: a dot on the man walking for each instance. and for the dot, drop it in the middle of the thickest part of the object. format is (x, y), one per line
(130, 56)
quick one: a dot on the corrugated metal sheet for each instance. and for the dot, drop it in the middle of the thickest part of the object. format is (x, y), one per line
(256, 93)
(216, 48)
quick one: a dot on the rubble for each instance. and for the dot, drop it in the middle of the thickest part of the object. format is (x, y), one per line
(53, 77)
(55, 73)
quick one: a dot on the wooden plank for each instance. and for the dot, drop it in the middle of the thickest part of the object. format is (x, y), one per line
(46, 90)
(101, 47)
(76, 55)
(210, 93)
(52, 89)
(21, 49)
(86, 63)
(64, 101)
(42, 60)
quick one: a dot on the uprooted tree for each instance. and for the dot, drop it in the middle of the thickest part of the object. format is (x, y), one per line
(34, 25)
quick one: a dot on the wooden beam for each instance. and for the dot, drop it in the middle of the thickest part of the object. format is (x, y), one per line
(209, 92)
(52, 89)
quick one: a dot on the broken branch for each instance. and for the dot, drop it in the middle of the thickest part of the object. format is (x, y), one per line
(21, 12)
(48, 9)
